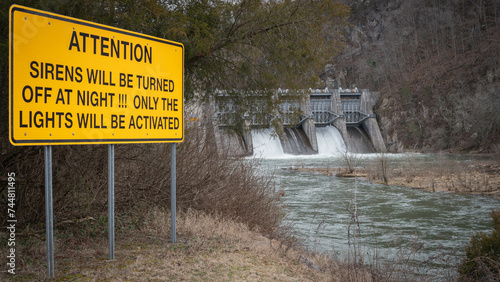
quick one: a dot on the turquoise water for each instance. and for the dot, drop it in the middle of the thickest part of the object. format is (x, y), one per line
(389, 221)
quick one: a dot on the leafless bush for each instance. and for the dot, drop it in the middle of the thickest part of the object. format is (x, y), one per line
(208, 180)
(348, 160)
(79, 181)
(486, 269)
(379, 168)
(410, 168)
(496, 153)
(212, 181)
(442, 165)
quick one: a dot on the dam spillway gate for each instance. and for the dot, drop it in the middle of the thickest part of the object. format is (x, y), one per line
(348, 110)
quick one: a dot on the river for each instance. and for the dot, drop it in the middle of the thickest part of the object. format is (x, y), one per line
(390, 222)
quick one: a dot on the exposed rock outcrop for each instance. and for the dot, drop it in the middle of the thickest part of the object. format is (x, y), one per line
(436, 64)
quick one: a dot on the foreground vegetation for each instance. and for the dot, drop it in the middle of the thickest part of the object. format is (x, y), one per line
(482, 261)
(208, 248)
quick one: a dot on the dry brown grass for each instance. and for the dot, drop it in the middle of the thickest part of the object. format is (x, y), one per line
(209, 248)
(479, 177)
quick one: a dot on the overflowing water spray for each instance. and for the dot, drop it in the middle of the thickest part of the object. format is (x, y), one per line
(330, 140)
(266, 143)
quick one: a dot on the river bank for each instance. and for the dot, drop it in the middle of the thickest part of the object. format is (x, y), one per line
(478, 177)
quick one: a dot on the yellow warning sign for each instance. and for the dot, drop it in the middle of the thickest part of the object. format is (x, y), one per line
(79, 82)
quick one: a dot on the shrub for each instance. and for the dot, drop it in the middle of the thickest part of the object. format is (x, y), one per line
(482, 260)
(208, 180)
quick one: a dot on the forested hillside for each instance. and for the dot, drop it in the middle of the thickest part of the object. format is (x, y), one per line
(436, 64)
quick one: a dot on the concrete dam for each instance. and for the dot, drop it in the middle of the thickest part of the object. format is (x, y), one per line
(323, 122)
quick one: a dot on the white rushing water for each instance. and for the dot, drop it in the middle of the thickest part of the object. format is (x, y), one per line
(266, 143)
(330, 141)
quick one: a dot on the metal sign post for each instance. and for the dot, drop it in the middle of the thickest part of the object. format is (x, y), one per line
(172, 191)
(49, 217)
(111, 201)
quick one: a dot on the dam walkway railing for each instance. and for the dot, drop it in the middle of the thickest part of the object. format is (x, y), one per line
(322, 106)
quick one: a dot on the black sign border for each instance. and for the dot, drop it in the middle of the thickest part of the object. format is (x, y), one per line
(37, 142)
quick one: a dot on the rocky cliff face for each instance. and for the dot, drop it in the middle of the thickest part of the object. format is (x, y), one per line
(436, 64)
